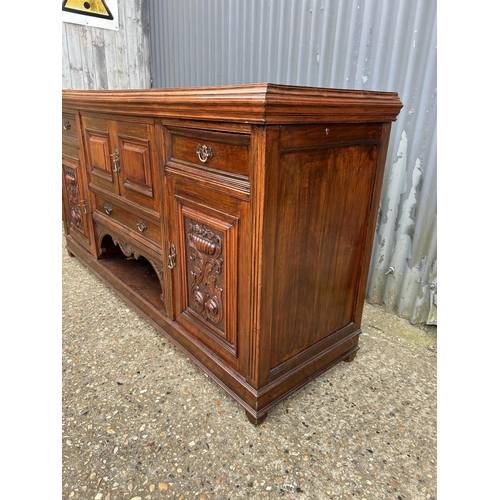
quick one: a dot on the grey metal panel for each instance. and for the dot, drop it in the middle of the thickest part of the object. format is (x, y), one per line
(97, 58)
(374, 45)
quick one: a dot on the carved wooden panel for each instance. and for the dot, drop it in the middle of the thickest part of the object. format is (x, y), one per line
(75, 204)
(73, 197)
(205, 272)
(207, 266)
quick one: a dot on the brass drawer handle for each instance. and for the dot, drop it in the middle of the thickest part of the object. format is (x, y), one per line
(141, 225)
(67, 125)
(204, 152)
(108, 208)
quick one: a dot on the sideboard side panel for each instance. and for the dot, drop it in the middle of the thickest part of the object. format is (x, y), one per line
(319, 201)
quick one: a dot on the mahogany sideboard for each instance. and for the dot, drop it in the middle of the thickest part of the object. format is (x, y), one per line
(238, 221)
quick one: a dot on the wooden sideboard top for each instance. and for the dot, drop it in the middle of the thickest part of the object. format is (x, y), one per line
(263, 103)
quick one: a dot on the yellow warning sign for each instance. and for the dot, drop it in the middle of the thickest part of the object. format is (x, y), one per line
(95, 8)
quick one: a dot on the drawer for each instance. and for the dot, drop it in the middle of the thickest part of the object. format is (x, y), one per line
(222, 151)
(70, 150)
(305, 136)
(138, 224)
(69, 128)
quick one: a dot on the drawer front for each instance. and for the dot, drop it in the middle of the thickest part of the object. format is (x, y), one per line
(225, 152)
(138, 224)
(69, 128)
(70, 150)
(304, 136)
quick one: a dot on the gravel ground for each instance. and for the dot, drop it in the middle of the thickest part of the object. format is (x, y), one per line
(141, 421)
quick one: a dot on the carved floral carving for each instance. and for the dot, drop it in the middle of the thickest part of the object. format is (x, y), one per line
(71, 182)
(205, 272)
(127, 249)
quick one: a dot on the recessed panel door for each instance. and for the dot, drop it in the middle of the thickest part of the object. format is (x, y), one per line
(100, 153)
(121, 156)
(209, 256)
(136, 153)
(75, 205)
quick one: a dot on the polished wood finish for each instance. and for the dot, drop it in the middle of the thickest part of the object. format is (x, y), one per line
(238, 220)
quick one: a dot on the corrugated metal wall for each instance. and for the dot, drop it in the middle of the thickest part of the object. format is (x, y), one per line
(383, 45)
(97, 58)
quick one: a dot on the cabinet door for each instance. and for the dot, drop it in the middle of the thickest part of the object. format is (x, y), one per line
(75, 206)
(98, 137)
(121, 158)
(209, 247)
(137, 157)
